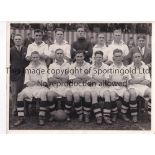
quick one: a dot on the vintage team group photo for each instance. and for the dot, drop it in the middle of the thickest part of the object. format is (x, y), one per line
(79, 76)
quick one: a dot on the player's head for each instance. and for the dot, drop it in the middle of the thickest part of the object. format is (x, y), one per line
(117, 34)
(131, 44)
(79, 56)
(49, 34)
(59, 34)
(29, 35)
(141, 40)
(117, 55)
(38, 35)
(12, 35)
(108, 42)
(59, 54)
(137, 57)
(100, 38)
(98, 57)
(81, 32)
(18, 40)
(35, 57)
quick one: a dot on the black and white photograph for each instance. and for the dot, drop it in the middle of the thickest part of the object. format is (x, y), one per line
(79, 76)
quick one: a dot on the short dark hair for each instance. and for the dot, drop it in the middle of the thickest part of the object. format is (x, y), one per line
(81, 26)
(49, 30)
(142, 36)
(117, 51)
(79, 51)
(132, 41)
(117, 30)
(38, 31)
(117, 27)
(18, 34)
(59, 49)
(137, 52)
(35, 52)
(59, 29)
(100, 33)
(98, 52)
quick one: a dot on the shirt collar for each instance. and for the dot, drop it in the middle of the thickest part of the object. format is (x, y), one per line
(97, 46)
(64, 42)
(100, 66)
(84, 63)
(81, 39)
(19, 47)
(141, 48)
(56, 62)
(32, 66)
(121, 42)
(143, 64)
(40, 44)
(113, 65)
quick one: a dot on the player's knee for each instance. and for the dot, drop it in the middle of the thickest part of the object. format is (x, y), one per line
(87, 96)
(106, 95)
(113, 96)
(76, 97)
(69, 95)
(126, 96)
(44, 93)
(50, 96)
(87, 93)
(148, 93)
(20, 96)
(43, 96)
(132, 94)
(93, 94)
(94, 98)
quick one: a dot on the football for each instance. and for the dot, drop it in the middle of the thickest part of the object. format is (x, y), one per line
(60, 115)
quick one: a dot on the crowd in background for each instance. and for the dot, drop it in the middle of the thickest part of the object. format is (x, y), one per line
(48, 30)
(144, 28)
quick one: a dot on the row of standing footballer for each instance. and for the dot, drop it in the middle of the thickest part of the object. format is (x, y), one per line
(79, 55)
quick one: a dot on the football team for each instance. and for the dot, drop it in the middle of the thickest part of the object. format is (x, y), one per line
(98, 81)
